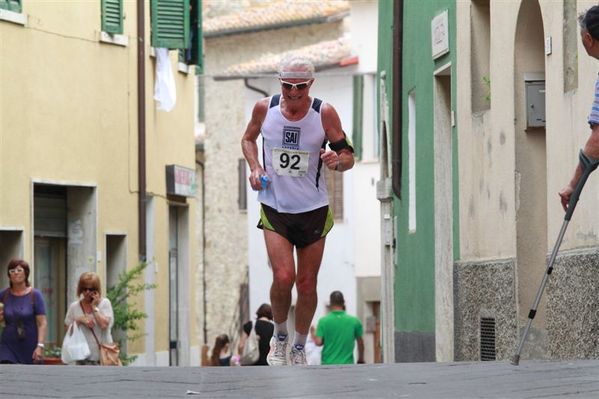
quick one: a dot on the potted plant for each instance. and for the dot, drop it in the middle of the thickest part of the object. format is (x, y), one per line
(52, 356)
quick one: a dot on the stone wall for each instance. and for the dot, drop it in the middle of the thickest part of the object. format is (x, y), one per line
(484, 289)
(573, 306)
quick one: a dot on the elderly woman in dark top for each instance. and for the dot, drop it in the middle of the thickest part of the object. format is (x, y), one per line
(24, 316)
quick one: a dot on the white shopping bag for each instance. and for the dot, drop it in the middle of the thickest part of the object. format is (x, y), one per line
(74, 345)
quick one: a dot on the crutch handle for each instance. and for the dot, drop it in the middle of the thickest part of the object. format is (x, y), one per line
(588, 166)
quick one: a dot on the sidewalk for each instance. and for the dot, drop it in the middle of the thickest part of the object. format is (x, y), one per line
(532, 379)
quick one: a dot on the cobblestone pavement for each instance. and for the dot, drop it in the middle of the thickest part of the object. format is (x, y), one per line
(532, 379)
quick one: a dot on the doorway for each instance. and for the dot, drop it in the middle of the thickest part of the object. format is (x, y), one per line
(530, 171)
(179, 285)
(50, 279)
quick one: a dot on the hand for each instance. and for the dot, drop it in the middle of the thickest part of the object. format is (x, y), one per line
(330, 159)
(255, 178)
(38, 354)
(565, 194)
(86, 321)
(95, 298)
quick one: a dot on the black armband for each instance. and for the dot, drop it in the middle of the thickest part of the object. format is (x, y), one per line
(342, 144)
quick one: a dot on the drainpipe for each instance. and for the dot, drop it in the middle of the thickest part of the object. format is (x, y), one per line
(141, 129)
(204, 251)
(246, 82)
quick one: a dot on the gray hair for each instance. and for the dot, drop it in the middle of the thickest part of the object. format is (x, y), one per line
(295, 62)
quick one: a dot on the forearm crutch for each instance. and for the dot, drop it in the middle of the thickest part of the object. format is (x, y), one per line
(588, 165)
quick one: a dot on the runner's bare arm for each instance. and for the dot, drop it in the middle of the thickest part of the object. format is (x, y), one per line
(343, 159)
(248, 142)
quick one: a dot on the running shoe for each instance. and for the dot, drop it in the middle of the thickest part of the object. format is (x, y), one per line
(278, 352)
(298, 356)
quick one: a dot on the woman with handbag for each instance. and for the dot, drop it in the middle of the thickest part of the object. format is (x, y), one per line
(94, 316)
(263, 327)
(24, 317)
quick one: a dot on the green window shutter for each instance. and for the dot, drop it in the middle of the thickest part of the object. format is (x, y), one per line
(357, 115)
(11, 5)
(170, 23)
(112, 16)
(197, 37)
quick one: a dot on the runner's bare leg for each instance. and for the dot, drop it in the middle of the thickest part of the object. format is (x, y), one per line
(308, 261)
(280, 253)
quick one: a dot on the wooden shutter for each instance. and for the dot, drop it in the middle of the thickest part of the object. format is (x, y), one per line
(197, 39)
(170, 23)
(11, 5)
(357, 115)
(112, 16)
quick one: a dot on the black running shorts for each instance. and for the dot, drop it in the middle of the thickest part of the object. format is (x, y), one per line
(300, 229)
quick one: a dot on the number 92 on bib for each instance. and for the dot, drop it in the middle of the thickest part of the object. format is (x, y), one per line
(288, 162)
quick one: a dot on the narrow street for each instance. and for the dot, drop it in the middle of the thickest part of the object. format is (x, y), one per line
(532, 379)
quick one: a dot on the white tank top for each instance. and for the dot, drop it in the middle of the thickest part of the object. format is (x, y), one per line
(291, 158)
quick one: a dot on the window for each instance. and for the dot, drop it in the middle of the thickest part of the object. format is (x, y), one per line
(11, 5)
(177, 24)
(112, 16)
(170, 23)
(335, 190)
(358, 111)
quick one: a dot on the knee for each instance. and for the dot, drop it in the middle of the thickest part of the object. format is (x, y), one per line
(306, 286)
(284, 279)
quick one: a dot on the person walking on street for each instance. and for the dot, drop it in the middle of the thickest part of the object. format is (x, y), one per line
(294, 209)
(94, 315)
(24, 315)
(336, 333)
(263, 328)
(589, 35)
(221, 353)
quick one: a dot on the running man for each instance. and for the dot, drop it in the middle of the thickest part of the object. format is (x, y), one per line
(294, 211)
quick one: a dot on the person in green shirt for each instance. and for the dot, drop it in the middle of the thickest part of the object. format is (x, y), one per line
(337, 331)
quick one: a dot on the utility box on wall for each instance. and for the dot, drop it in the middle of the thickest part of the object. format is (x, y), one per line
(535, 103)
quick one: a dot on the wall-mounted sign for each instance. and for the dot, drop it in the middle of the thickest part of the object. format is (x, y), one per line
(440, 35)
(180, 181)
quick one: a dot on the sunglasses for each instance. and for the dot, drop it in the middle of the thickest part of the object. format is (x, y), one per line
(16, 270)
(298, 86)
(90, 289)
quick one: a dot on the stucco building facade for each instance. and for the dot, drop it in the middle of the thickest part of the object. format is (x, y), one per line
(69, 152)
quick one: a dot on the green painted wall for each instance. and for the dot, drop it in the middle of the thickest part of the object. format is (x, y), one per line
(415, 257)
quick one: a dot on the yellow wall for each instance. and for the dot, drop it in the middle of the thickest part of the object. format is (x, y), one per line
(68, 114)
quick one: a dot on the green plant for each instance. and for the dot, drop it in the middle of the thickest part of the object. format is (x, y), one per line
(487, 83)
(126, 316)
(52, 351)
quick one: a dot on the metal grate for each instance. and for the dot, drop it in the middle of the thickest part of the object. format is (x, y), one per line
(487, 339)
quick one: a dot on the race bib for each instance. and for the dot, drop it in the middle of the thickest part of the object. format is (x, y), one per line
(292, 163)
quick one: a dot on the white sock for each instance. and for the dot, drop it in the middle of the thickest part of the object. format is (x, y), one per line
(281, 330)
(300, 340)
